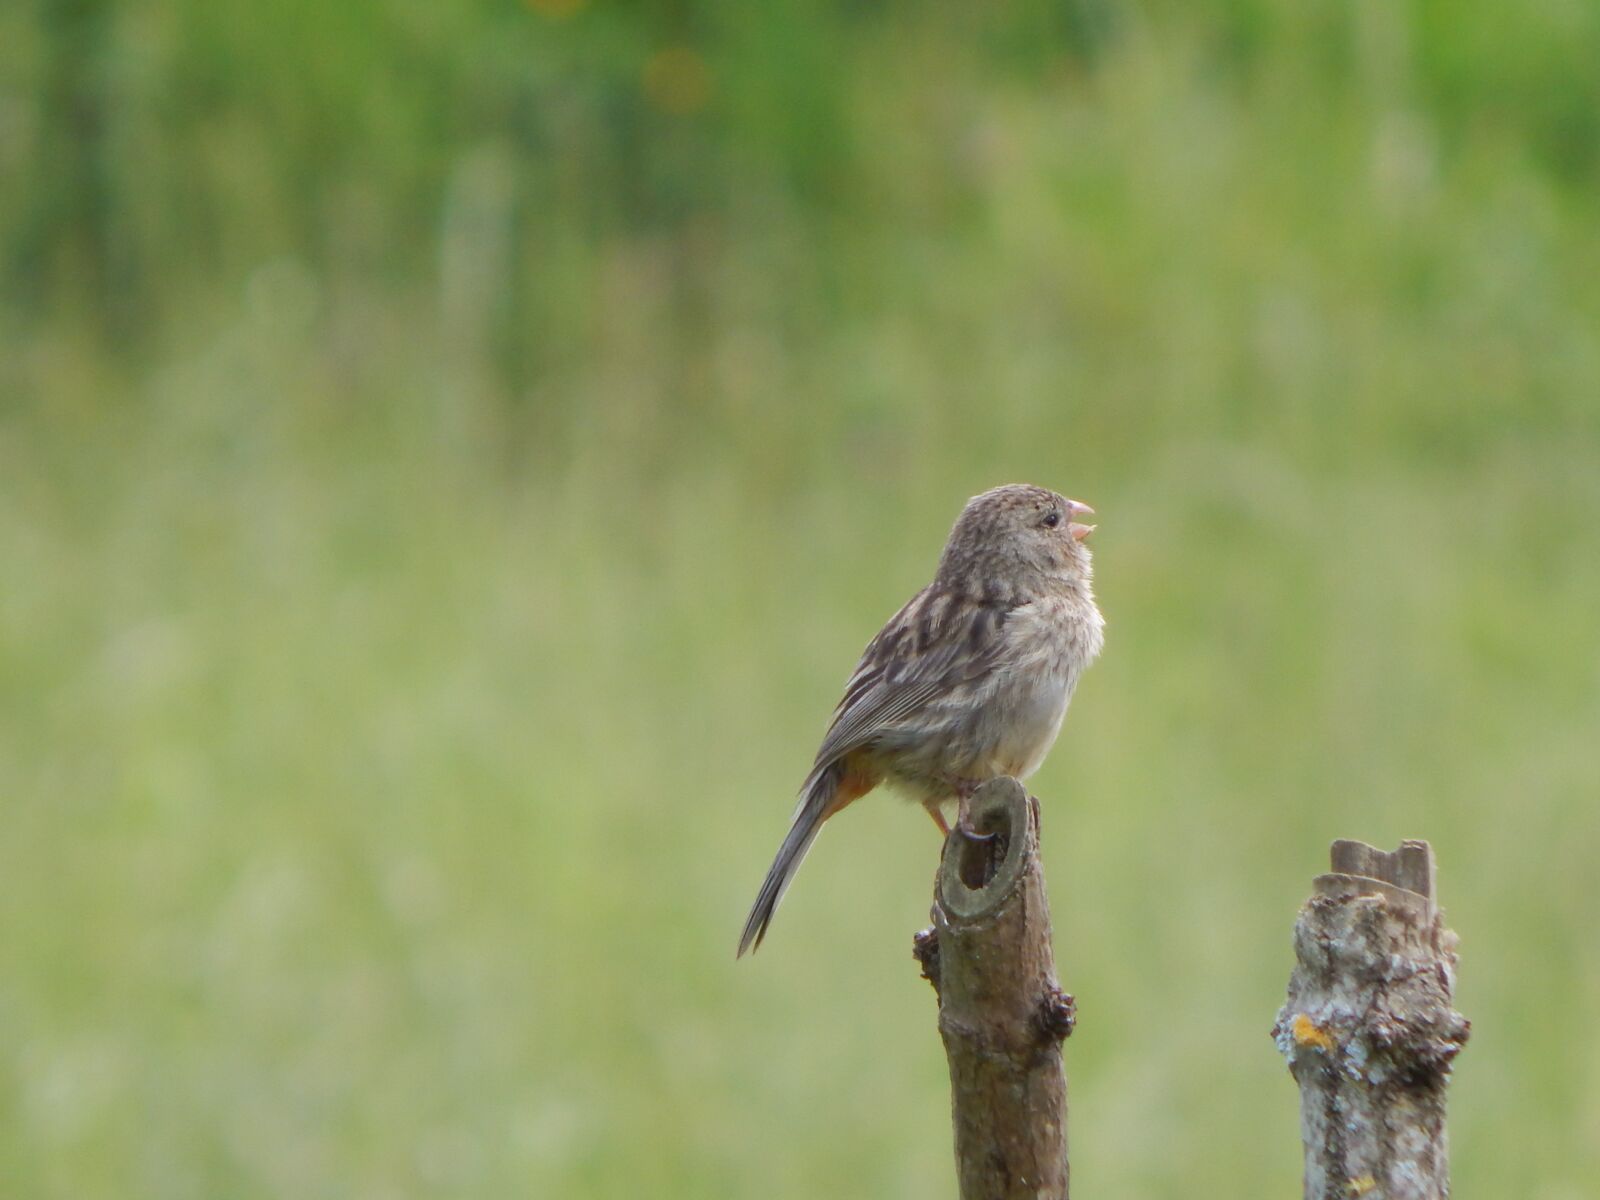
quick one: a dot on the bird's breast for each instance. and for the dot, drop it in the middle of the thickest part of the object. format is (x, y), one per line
(1028, 709)
(1052, 642)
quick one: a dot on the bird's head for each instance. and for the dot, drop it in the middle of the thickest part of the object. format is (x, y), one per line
(1015, 540)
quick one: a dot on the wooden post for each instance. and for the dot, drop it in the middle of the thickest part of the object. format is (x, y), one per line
(1002, 1015)
(1368, 1027)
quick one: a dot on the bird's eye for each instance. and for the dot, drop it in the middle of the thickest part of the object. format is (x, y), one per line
(1052, 519)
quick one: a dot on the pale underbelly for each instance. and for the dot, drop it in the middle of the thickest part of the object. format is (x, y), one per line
(1025, 734)
(1010, 733)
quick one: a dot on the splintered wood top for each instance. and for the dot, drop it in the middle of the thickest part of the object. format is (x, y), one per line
(1405, 875)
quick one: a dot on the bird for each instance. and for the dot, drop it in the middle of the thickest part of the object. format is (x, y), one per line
(969, 681)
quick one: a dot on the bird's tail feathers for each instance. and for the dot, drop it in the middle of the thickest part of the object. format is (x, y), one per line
(813, 809)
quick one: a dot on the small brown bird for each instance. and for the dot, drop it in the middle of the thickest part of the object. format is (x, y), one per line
(967, 682)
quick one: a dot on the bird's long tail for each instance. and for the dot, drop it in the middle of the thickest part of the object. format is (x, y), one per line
(818, 801)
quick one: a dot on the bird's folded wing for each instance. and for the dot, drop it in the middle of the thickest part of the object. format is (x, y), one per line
(929, 650)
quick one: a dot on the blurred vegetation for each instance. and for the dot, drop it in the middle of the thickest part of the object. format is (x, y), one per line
(451, 453)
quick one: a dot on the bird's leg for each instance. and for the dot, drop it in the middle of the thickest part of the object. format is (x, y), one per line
(964, 789)
(938, 819)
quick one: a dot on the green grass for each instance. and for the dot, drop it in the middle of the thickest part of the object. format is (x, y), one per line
(431, 559)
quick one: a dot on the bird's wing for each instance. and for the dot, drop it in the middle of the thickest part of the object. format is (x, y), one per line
(934, 644)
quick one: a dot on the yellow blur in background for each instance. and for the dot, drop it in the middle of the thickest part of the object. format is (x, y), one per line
(451, 455)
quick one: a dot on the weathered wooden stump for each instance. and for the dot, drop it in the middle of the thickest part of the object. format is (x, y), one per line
(1002, 1015)
(1368, 1028)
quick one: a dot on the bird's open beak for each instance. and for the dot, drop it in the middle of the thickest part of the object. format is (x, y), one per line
(1078, 508)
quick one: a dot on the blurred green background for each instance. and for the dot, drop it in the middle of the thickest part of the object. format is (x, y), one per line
(452, 453)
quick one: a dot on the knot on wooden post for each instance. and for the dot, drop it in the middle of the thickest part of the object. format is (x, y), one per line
(1368, 1029)
(1002, 1015)
(1058, 1015)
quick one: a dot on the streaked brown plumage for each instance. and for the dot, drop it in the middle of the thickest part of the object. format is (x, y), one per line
(970, 680)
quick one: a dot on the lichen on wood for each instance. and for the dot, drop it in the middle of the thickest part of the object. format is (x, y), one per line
(1368, 1029)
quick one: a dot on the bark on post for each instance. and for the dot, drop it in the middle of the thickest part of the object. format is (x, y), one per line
(1002, 1015)
(1368, 1027)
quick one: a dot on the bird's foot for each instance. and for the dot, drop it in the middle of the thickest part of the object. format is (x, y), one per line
(964, 824)
(972, 835)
